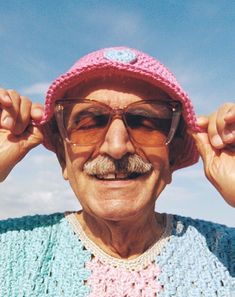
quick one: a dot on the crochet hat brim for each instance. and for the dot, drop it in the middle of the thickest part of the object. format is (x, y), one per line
(130, 63)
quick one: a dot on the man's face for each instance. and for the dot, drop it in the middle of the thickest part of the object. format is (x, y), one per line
(120, 197)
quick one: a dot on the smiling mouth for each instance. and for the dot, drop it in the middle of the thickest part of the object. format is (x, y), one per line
(118, 176)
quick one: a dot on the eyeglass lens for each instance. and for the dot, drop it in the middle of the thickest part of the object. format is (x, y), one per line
(148, 124)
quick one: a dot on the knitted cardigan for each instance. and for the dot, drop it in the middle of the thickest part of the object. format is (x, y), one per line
(43, 256)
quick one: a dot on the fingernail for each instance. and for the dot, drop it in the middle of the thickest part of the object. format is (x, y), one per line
(7, 99)
(227, 135)
(37, 112)
(8, 122)
(200, 120)
(216, 140)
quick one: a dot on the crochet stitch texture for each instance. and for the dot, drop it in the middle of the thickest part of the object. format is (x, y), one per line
(42, 256)
(130, 63)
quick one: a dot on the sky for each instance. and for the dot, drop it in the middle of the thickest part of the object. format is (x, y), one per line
(42, 39)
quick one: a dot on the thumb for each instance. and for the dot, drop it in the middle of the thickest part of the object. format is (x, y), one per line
(32, 138)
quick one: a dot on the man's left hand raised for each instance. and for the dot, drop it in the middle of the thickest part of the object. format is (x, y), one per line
(216, 145)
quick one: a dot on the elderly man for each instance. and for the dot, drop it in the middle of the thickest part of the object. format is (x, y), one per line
(120, 124)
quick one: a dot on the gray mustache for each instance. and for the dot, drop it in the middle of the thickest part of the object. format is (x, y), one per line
(128, 164)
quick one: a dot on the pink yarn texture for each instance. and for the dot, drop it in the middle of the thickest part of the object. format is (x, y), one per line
(131, 63)
(107, 281)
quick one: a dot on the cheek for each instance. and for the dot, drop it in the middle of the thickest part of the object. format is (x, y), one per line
(159, 158)
(76, 157)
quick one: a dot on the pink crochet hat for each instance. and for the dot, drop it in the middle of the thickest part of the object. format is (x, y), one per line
(131, 63)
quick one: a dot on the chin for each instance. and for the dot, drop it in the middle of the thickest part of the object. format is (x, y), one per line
(116, 211)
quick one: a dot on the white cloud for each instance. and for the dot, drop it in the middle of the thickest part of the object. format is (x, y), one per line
(43, 197)
(195, 172)
(43, 158)
(36, 89)
(36, 186)
(194, 201)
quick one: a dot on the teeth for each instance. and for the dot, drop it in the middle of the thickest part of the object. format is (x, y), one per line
(118, 176)
(113, 176)
(107, 176)
(122, 175)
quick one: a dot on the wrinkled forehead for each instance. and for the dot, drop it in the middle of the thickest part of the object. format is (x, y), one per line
(117, 83)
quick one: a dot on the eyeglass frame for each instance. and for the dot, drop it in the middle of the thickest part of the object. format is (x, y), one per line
(117, 113)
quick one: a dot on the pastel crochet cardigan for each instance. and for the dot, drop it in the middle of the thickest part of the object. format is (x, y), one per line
(50, 255)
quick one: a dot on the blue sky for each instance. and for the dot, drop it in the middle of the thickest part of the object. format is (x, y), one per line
(42, 39)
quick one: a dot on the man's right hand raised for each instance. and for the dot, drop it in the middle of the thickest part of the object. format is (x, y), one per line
(17, 134)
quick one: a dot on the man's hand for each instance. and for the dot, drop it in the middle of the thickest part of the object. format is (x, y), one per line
(17, 134)
(216, 145)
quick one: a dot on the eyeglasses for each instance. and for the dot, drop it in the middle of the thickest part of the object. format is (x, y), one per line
(85, 122)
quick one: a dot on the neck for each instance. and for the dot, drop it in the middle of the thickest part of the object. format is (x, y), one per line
(123, 239)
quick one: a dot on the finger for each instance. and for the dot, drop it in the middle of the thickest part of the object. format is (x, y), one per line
(202, 122)
(5, 99)
(203, 144)
(37, 111)
(213, 134)
(228, 134)
(230, 115)
(225, 129)
(23, 118)
(31, 138)
(10, 113)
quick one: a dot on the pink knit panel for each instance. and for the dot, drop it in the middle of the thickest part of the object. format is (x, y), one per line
(107, 281)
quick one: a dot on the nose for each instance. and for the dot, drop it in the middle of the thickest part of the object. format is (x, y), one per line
(117, 142)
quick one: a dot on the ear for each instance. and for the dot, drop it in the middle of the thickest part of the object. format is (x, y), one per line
(60, 153)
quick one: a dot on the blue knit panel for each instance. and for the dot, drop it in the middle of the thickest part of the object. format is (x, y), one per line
(40, 256)
(68, 268)
(198, 260)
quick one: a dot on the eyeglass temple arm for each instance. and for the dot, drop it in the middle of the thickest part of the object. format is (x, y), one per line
(60, 120)
(174, 124)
